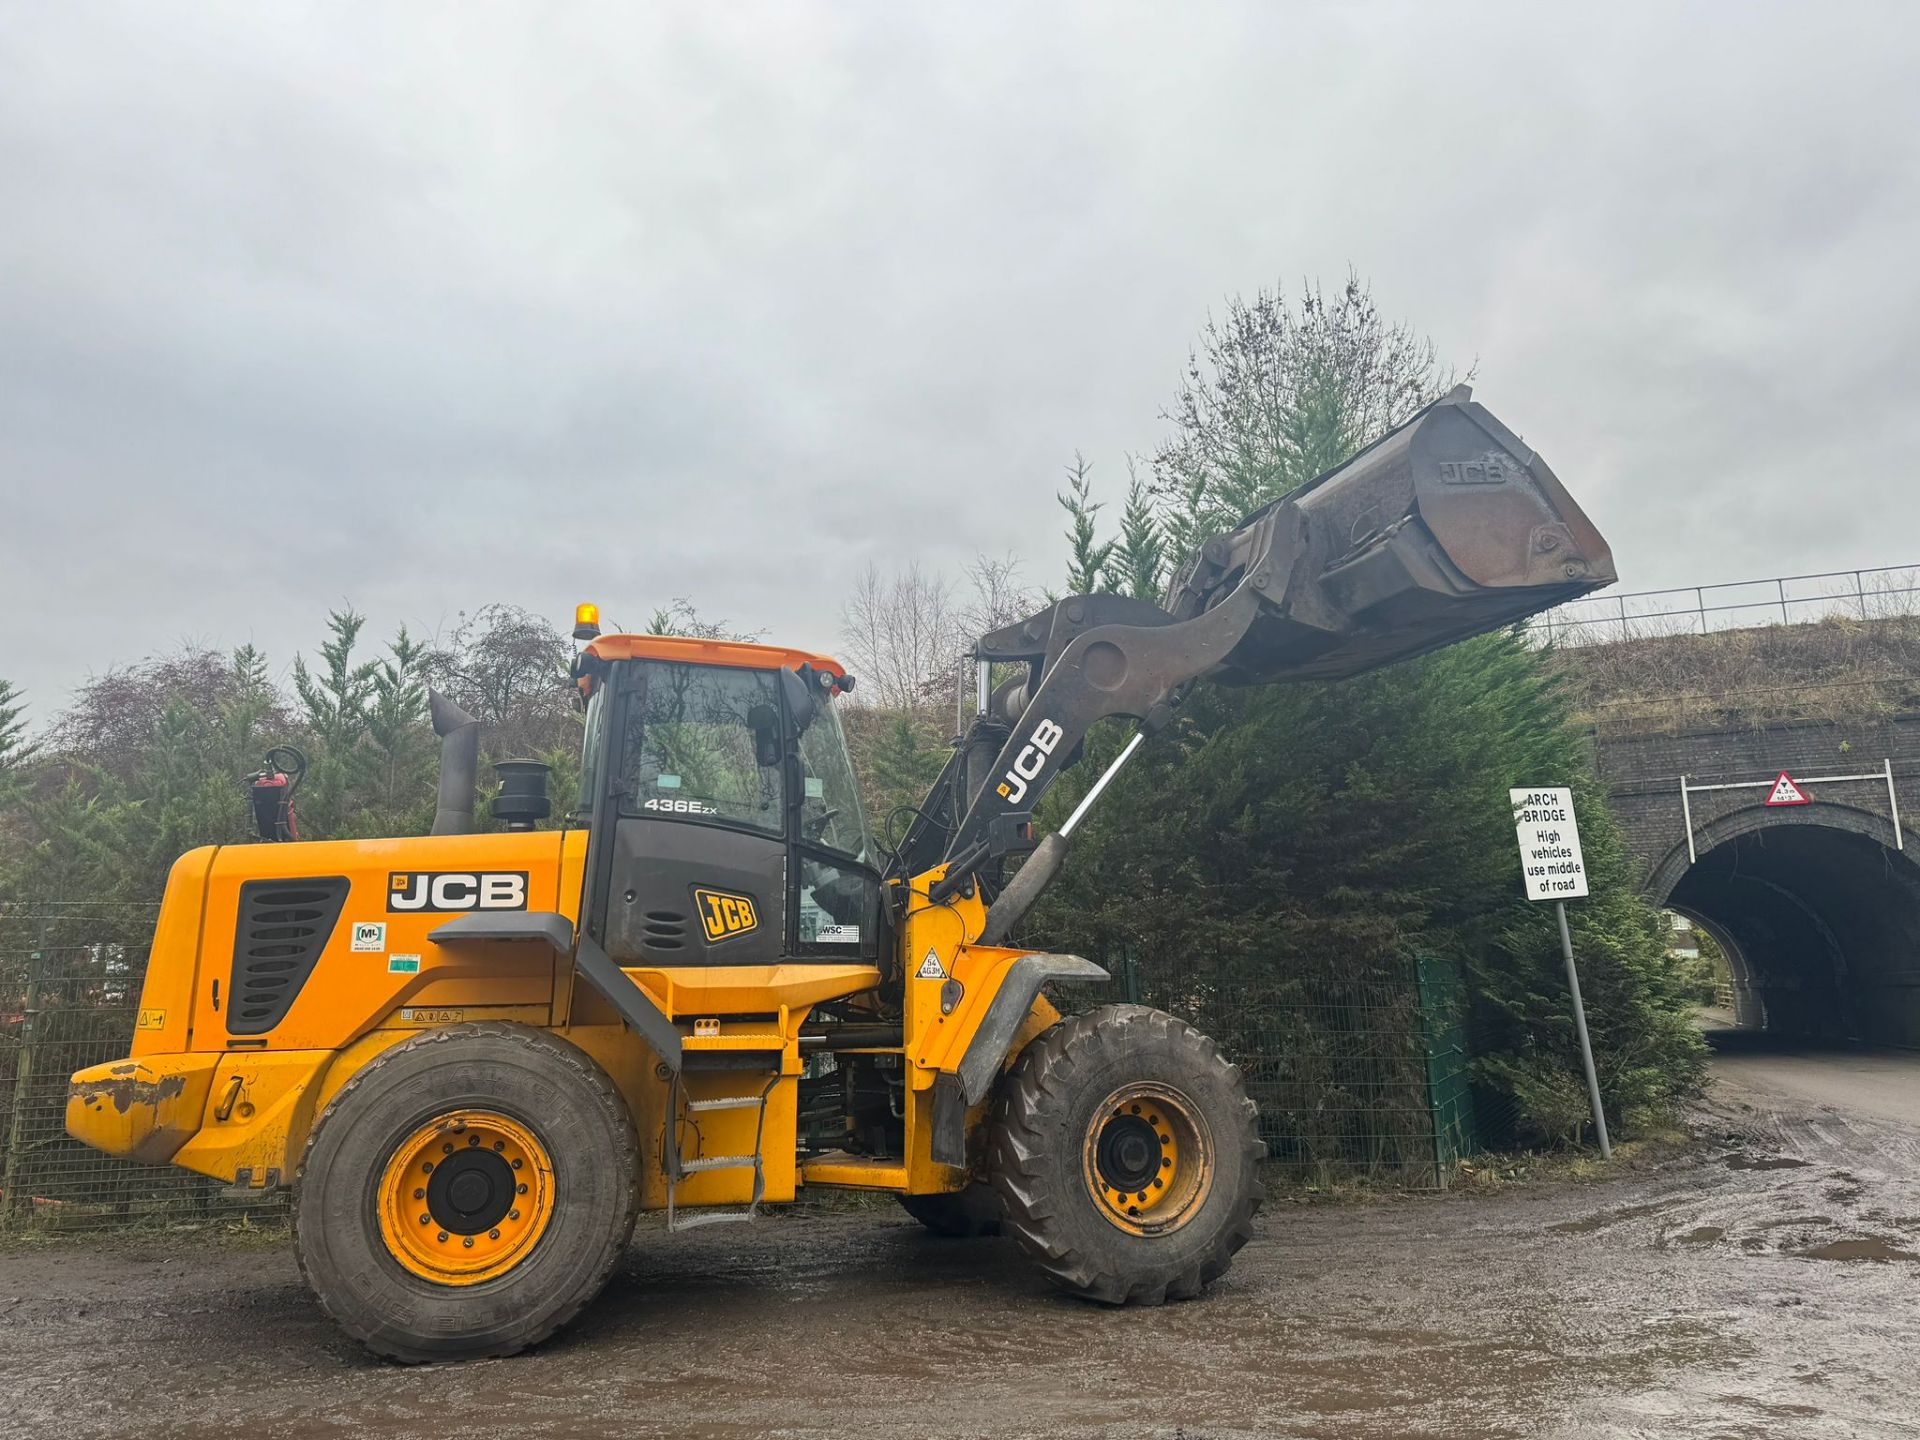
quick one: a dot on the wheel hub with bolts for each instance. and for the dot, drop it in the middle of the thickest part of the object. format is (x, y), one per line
(465, 1197)
(1148, 1158)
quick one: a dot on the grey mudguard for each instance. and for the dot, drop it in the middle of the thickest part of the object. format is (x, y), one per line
(555, 930)
(1008, 1013)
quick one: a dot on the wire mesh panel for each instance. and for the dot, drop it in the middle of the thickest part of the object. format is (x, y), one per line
(1360, 1075)
(70, 978)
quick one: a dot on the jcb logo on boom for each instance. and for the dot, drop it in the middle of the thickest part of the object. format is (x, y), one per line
(724, 915)
(1028, 762)
(438, 891)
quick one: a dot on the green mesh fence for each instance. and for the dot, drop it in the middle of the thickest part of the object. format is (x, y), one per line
(70, 977)
(1360, 1072)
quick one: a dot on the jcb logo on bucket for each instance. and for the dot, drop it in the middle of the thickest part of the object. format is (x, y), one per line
(724, 915)
(438, 891)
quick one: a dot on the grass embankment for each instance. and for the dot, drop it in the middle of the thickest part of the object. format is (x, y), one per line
(1835, 670)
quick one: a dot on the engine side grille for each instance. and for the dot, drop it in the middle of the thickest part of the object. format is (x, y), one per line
(663, 930)
(283, 927)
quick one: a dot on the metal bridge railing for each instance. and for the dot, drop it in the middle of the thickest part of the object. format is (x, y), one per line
(1886, 592)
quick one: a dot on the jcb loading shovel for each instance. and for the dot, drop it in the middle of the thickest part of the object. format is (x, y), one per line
(475, 1056)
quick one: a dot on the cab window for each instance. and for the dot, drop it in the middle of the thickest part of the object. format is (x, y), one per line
(695, 743)
(831, 813)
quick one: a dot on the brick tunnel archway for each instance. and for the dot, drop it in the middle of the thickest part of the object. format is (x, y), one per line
(1819, 912)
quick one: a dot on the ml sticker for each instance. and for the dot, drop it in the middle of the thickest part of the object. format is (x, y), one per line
(930, 968)
(403, 964)
(369, 936)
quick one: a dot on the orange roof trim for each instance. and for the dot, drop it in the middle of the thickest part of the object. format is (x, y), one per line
(710, 652)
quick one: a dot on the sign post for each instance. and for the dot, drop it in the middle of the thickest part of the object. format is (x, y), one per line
(1554, 869)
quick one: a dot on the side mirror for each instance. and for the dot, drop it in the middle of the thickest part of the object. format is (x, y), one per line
(764, 721)
(801, 702)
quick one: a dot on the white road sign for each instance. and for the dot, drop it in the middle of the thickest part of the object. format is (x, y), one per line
(1549, 844)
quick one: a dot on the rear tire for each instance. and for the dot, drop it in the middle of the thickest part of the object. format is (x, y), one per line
(1126, 1152)
(531, 1210)
(959, 1215)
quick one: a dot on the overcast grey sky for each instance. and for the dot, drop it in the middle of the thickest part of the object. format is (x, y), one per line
(422, 306)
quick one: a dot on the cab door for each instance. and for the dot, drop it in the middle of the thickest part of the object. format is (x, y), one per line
(691, 853)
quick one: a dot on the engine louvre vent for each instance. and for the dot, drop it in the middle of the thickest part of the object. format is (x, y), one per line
(283, 927)
(663, 930)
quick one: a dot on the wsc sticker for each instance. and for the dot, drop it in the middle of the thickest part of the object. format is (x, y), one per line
(930, 968)
(403, 964)
(369, 936)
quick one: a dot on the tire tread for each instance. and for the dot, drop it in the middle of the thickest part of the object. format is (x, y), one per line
(1042, 1081)
(593, 1081)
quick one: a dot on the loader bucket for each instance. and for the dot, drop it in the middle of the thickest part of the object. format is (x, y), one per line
(1446, 527)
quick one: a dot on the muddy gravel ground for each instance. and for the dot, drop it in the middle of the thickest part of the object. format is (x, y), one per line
(1768, 1284)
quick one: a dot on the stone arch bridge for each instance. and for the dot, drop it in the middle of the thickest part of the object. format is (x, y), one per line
(1816, 905)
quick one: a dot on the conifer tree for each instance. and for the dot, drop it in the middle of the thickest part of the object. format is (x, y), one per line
(1313, 838)
(1088, 556)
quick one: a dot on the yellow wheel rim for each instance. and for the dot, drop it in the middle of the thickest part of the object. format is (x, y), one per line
(466, 1197)
(1148, 1158)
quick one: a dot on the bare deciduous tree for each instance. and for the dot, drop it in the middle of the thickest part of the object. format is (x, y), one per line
(997, 595)
(903, 636)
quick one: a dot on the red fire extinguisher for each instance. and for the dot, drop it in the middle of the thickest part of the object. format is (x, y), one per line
(271, 791)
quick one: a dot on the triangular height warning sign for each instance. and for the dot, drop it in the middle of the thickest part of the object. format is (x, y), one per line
(1785, 792)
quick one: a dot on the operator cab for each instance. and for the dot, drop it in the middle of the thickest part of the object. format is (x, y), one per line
(727, 827)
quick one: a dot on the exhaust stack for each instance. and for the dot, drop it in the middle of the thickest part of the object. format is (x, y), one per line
(459, 736)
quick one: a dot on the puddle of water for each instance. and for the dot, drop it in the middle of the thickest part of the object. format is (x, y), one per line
(1705, 1235)
(1608, 1217)
(1870, 1249)
(1765, 1162)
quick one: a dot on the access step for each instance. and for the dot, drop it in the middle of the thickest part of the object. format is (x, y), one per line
(679, 1166)
(712, 1217)
(730, 1102)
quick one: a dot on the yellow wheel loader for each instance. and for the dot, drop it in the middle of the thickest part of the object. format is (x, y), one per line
(474, 1057)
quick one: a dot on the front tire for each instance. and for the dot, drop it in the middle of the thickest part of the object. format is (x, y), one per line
(1126, 1153)
(959, 1215)
(466, 1193)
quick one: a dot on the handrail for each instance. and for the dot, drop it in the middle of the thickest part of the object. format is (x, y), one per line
(1609, 618)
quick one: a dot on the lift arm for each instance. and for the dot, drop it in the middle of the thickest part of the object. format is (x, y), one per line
(1446, 527)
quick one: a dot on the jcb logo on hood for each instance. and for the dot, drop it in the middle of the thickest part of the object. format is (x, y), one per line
(1027, 763)
(438, 891)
